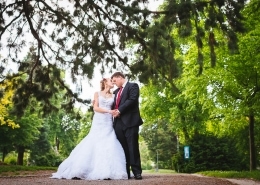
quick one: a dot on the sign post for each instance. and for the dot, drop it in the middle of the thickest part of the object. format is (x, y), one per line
(186, 152)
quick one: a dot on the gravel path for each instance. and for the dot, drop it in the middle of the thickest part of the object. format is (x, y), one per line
(148, 179)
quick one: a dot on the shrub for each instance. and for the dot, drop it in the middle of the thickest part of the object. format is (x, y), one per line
(209, 153)
(11, 158)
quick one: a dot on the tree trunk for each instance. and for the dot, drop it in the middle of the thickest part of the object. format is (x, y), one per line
(4, 152)
(20, 150)
(57, 143)
(252, 142)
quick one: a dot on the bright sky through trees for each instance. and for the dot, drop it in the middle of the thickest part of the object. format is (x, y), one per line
(88, 86)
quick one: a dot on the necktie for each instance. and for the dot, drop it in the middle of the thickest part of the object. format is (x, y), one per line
(118, 97)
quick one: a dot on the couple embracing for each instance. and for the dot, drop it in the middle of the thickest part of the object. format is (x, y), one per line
(111, 149)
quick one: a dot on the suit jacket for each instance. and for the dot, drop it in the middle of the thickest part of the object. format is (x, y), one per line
(129, 105)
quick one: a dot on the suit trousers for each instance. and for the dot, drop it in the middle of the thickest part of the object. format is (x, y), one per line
(128, 137)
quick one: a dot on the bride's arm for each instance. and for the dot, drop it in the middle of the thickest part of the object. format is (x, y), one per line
(96, 107)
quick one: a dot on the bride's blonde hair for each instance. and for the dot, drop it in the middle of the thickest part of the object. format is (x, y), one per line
(103, 84)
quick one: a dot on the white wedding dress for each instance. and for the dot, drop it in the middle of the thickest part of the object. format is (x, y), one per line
(99, 155)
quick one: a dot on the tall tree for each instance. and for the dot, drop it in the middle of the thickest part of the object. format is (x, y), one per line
(230, 91)
(161, 142)
(6, 119)
(74, 36)
(23, 137)
(183, 23)
(64, 131)
(170, 39)
(6, 104)
(231, 87)
(78, 35)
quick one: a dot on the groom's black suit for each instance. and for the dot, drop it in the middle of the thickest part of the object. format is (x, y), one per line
(127, 126)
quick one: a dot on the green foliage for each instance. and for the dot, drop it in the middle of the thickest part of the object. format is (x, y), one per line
(69, 134)
(67, 38)
(46, 159)
(45, 86)
(186, 23)
(28, 131)
(155, 103)
(11, 158)
(221, 99)
(233, 174)
(145, 156)
(160, 140)
(85, 124)
(66, 130)
(23, 136)
(11, 168)
(209, 152)
(6, 95)
(41, 153)
(193, 85)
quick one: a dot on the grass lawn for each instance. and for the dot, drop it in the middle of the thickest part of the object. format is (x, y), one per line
(15, 170)
(254, 175)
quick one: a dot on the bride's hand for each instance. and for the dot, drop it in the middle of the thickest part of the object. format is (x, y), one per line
(111, 112)
(114, 113)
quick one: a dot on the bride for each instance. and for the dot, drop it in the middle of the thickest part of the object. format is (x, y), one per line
(99, 155)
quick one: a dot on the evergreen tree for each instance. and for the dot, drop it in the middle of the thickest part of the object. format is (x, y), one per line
(41, 153)
(78, 35)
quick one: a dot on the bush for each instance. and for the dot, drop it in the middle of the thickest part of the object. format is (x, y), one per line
(47, 159)
(208, 152)
(147, 166)
(11, 158)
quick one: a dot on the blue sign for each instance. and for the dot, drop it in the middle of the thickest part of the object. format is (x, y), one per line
(186, 152)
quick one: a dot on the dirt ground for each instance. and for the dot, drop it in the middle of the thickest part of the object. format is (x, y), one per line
(42, 177)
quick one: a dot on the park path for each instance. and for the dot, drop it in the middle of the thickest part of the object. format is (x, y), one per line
(148, 179)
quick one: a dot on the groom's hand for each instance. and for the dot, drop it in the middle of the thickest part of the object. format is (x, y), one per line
(115, 113)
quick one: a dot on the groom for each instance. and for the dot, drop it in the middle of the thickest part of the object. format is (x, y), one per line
(127, 120)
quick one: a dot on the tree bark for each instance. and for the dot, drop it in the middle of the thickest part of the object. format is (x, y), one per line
(4, 152)
(20, 150)
(57, 143)
(252, 142)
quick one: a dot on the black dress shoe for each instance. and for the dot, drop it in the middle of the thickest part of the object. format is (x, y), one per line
(76, 178)
(138, 177)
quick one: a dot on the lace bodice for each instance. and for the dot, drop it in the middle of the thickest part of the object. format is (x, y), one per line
(105, 103)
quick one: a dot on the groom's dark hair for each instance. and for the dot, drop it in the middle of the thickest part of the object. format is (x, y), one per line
(118, 74)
